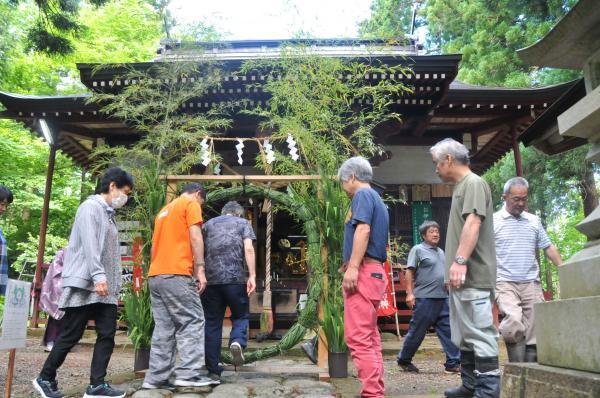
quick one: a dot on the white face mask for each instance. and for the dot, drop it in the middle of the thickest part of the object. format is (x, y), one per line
(119, 201)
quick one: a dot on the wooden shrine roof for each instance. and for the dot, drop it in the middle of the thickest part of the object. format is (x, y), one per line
(439, 107)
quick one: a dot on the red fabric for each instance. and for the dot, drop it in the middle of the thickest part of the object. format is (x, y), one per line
(137, 265)
(360, 328)
(387, 307)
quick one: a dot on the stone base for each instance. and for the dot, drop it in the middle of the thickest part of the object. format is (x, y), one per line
(580, 276)
(531, 380)
(567, 333)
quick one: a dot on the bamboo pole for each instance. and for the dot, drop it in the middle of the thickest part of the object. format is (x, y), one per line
(323, 349)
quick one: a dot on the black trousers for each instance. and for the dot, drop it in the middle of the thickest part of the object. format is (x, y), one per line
(74, 323)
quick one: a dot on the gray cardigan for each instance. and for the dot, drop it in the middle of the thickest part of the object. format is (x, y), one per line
(83, 265)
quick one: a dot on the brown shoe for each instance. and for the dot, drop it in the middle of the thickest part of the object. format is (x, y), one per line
(454, 370)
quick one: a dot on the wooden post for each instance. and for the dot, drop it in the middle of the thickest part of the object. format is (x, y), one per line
(171, 191)
(37, 280)
(10, 372)
(474, 145)
(323, 349)
(516, 150)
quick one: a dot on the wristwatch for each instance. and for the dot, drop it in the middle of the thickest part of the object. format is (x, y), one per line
(460, 260)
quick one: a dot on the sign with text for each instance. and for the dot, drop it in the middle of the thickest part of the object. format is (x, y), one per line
(16, 313)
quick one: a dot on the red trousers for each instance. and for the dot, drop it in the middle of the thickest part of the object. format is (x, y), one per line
(360, 327)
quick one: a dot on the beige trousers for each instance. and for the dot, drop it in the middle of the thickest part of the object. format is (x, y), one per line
(515, 300)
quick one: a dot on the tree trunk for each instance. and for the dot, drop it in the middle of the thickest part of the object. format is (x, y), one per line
(587, 189)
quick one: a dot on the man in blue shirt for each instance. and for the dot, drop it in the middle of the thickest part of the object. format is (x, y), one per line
(428, 300)
(6, 198)
(365, 241)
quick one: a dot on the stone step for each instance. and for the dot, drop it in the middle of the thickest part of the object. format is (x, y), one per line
(531, 380)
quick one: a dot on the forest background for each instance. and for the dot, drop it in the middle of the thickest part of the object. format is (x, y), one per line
(40, 42)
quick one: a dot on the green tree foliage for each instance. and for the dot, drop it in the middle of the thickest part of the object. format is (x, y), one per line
(486, 33)
(24, 171)
(56, 25)
(390, 19)
(121, 31)
(29, 249)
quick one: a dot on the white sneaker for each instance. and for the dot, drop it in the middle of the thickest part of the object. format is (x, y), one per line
(159, 386)
(199, 381)
(237, 354)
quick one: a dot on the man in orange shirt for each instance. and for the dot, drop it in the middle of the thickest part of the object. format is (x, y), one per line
(176, 279)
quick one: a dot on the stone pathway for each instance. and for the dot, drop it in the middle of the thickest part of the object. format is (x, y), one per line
(272, 377)
(242, 385)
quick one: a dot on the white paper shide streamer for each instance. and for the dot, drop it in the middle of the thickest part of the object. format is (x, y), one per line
(270, 155)
(217, 169)
(240, 151)
(292, 146)
(204, 152)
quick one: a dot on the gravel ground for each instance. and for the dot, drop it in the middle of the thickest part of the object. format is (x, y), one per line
(73, 375)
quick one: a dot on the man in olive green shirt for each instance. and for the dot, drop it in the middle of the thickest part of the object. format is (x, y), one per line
(470, 272)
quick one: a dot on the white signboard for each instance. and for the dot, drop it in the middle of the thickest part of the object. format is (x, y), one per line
(16, 313)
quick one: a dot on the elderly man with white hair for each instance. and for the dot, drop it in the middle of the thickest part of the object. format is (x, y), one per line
(365, 239)
(470, 271)
(518, 235)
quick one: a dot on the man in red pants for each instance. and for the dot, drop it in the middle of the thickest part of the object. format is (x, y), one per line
(365, 239)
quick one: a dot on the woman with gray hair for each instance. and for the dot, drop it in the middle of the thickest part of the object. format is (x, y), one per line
(365, 240)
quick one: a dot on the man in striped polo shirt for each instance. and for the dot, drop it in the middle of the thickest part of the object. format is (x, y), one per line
(519, 235)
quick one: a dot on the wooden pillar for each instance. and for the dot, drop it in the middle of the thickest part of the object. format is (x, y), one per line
(9, 374)
(37, 280)
(516, 150)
